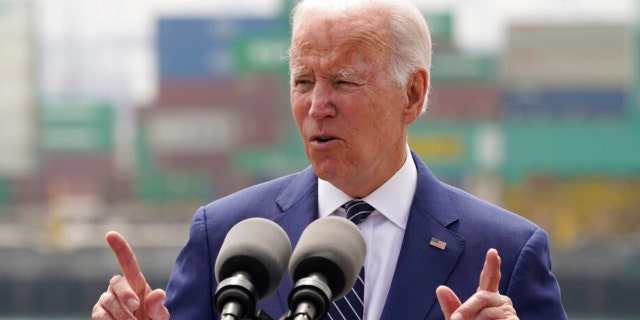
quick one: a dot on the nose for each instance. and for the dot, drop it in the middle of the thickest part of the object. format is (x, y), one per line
(322, 104)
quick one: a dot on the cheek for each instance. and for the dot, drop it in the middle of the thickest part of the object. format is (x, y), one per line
(298, 108)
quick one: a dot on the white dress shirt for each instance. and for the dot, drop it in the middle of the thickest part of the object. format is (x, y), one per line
(383, 230)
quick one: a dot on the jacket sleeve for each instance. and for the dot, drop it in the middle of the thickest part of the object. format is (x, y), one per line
(190, 288)
(533, 289)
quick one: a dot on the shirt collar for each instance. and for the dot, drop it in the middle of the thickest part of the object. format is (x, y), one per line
(392, 199)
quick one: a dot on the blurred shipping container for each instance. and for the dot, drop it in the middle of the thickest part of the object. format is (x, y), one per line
(460, 150)
(112, 187)
(203, 47)
(256, 107)
(16, 56)
(17, 89)
(258, 54)
(162, 186)
(70, 187)
(5, 192)
(441, 28)
(446, 147)
(14, 18)
(462, 67)
(86, 174)
(17, 144)
(76, 126)
(567, 56)
(200, 125)
(271, 162)
(177, 177)
(218, 169)
(568, 103)
(464, 101)
(17, 92)
(576, 208)
(193, 131)
(571, 148)
(29, 190)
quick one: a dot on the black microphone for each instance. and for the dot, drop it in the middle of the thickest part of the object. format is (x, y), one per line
(324, 266)
(250, 266)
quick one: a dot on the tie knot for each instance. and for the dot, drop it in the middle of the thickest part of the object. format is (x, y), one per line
(357, 210)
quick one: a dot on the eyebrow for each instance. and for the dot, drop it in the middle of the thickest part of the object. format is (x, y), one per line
(295, 73)
(345, 73)
(350, 74)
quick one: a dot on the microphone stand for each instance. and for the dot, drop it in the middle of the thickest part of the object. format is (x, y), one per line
(236, 296)
(310, 297)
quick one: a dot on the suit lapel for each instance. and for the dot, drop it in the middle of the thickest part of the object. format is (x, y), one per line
(299, 205)
(422, 267)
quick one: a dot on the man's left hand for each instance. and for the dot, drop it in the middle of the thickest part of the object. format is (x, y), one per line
(486, 303)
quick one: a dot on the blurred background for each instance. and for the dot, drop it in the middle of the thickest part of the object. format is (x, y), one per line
(129, 115)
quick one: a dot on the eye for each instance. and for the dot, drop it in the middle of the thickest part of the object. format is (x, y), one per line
(346, 84)
(302, 84)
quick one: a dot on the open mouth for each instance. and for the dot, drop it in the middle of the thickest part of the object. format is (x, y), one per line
(323, 139)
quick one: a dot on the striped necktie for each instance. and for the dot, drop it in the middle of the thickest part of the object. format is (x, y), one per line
(351, 306)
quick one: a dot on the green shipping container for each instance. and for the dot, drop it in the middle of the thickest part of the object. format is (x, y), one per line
(447, 148)
(76, 126)
(160, 186)
(5, 191)
(440, 25)
(572, 148)
(262, 54)
(462, 67)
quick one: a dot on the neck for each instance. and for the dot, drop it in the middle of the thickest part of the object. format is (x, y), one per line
(368, 184)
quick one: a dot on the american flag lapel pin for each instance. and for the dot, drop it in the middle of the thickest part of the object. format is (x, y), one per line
(437, 243)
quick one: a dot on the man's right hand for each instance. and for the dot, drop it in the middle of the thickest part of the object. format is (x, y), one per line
(128, 296)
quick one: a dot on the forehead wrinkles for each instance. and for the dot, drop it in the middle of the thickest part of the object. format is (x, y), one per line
(329, 44)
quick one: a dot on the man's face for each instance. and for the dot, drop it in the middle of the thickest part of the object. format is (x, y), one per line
(349, 112)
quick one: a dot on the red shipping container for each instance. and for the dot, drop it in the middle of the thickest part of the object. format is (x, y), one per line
(29, 190)
(464, 102)
(79, 173)
(260, 103)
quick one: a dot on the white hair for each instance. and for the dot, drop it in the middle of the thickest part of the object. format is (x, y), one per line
(410, 39)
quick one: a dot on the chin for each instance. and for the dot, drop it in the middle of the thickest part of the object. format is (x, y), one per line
(324, 171)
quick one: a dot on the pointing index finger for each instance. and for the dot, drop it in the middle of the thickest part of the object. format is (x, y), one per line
(490, 275)
(127, 261)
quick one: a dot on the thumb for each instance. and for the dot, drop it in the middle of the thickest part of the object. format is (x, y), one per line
(449, 301)
(155, 305)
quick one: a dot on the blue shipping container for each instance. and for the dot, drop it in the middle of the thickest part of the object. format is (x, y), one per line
(204, 47)
(568, 103)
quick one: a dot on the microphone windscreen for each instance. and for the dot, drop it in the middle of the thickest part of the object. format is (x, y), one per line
(259, 247)
(332, 246)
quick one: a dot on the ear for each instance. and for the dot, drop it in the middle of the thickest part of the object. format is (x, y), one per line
(416, 95)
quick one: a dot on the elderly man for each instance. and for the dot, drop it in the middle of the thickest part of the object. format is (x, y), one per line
(359, 79)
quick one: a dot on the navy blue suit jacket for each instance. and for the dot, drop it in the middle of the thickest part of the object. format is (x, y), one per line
(468, 225)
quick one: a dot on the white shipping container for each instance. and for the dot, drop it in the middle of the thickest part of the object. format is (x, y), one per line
(17, 101)
(568, 55)
(193, 131)
(577, 38)
(15, 18)
(18, 94)
(567, 71)
(15, 58)
(17, 112)
(17, 147)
